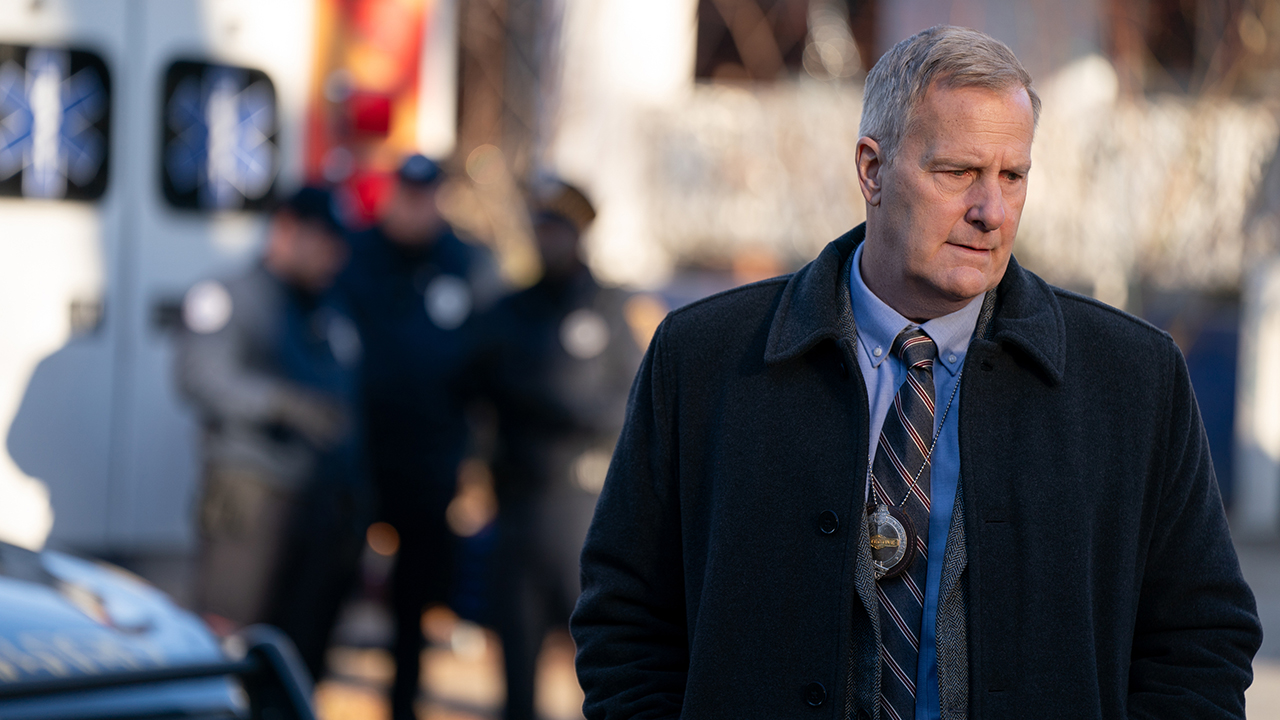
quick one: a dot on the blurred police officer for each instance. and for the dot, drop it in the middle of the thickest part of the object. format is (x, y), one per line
(270, 361)
(559, 362)
(413, 285)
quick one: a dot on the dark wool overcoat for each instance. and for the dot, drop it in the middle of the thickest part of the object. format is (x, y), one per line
(1089, 570)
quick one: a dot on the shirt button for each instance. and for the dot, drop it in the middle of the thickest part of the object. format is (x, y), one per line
(878, 352)
(828, 521)
(815, 694)
(951, 359)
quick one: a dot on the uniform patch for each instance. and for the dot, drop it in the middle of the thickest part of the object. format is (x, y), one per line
(207, 307)
(449, 302)
(584, 333)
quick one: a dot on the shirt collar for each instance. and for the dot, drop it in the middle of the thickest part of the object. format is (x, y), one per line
(878, 324)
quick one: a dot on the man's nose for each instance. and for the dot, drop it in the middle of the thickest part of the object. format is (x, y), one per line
(986, 205)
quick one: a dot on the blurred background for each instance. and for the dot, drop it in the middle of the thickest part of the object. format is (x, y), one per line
(715, 138)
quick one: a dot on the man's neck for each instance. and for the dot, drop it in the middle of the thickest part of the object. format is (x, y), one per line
(896, 292)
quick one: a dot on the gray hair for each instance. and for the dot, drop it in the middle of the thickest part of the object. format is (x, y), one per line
(953, 56)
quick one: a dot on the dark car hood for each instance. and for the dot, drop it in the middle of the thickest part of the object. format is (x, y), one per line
(62, 616)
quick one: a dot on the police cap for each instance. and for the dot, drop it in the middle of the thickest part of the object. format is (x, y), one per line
(419, 170)
(313, 204)
(558, 199)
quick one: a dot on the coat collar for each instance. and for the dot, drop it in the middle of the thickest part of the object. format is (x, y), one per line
(815, 306)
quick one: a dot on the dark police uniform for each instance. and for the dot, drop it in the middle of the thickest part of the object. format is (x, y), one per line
(413, 306)
(559, 360)
(282, 511)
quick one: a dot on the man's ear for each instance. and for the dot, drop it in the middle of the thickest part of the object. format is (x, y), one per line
(870, 169)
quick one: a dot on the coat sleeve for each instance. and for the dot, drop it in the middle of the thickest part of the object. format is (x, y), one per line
(630, 623)
(212, 370)
(1197, 626)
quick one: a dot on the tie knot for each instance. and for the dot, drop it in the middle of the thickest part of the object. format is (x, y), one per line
(915, 348)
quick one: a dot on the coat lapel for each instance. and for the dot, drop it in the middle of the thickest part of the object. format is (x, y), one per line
(1028, 318)
(815, 304)
(1022, 311)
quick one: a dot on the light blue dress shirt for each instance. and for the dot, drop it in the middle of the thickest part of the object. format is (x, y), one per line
(878, 325)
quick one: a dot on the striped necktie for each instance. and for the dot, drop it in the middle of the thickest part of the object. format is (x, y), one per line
(900, 475)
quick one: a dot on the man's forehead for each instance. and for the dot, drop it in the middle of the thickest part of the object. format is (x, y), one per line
(952, 86)
(956, 120)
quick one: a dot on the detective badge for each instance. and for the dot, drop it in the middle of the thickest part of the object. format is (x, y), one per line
(892, 538)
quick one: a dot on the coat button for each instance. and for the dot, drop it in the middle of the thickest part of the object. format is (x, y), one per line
(862, 714)
(844, 370)
(828, 522)
(815, 694)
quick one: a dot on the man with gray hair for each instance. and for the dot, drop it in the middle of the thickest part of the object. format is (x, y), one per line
(913, 480)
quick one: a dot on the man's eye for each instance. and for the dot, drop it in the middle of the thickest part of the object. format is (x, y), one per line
(957, 173)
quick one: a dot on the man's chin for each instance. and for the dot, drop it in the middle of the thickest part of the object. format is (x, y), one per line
(968, 282)
(963, 290)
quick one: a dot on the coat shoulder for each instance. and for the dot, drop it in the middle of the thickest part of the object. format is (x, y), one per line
(1106, 342)
(727, 317)
(1086, 316)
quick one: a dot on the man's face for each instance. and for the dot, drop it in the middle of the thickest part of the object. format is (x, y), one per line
(304, 253)
(412, 216)
(558, 246)
(321, 255)
(942, 217)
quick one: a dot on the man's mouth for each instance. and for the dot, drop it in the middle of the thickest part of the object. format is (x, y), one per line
(971, 248)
